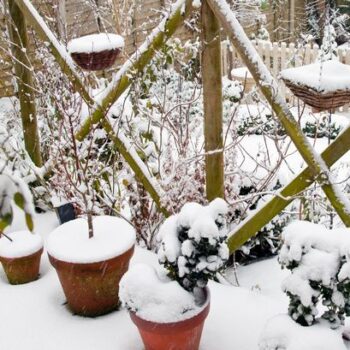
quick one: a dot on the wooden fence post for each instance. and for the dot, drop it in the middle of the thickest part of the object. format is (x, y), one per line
(212, 101)
(19, 49)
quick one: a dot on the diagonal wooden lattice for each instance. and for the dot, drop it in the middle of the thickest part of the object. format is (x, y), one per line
(317, 166)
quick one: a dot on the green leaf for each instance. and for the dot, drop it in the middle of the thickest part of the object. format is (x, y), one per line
(19, 200)
(29, 222)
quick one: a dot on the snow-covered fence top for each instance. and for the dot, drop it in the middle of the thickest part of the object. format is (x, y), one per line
(278, 56)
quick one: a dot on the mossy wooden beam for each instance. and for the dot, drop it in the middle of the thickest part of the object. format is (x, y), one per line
(249, 227)
(212, 101)
(67, 66)
(59, 52)
(270, 90)
(180, 10)
(24, 79)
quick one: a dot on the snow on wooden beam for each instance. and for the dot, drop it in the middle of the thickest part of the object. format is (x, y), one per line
(138, 61)
(270, 90)
(251, 225)
(120, 141)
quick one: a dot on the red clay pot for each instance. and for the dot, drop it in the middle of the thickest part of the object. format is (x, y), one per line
(182, 335)
(92, 289)
(22, 270)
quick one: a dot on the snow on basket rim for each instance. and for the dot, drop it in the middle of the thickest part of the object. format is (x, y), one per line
(324, 77)
(70, 242)
(95, 43)
(24, 243)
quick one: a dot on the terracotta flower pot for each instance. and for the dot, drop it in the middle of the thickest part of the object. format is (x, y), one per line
(22, 269)
(92, 289)
(182, 335)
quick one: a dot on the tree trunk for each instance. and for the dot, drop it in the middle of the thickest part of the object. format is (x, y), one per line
(212, 100)
(19, 48)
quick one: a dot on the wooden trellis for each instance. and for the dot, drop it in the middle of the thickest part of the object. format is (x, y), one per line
(212, 11)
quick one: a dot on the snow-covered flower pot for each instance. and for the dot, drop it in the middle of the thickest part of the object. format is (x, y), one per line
(169, 305)
(97, 51)
(185, 334)
(20, 256)
(90, 269)
(322, 85)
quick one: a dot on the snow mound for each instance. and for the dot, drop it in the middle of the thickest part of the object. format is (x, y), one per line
(23, 243)
(95, 43)
(281, 332)
(324, 77)
(155, 298)
(70, 242)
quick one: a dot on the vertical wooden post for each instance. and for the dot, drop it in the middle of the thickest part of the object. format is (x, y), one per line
(19, 48)
(212, 96)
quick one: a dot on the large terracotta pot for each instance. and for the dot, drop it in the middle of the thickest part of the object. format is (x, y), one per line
(22, 269)
(92, 289)
(182, 335)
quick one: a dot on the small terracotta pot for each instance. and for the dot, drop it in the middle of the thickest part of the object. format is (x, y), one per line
(182, 335)
(22, 270)
(92, 289)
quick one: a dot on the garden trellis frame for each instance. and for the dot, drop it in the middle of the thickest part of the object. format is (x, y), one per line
(318, 165)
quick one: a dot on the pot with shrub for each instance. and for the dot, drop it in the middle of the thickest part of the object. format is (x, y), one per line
(170, 304)
(20, 251)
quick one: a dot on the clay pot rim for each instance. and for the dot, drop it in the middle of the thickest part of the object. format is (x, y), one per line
(169, 327)
(96, 264)
(25, 257)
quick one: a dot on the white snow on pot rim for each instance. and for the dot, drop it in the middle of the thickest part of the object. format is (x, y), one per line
(23, 243)
(70, 242)
(95, 43)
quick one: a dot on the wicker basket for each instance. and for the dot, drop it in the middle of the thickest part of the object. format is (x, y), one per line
(319, 101)
(96, 60)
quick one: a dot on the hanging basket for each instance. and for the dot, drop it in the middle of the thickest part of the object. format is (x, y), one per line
(323, 86)
(97, 51)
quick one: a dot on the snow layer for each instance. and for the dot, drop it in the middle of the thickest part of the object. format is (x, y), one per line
(324, 77)
(236, 319)
(70, 242)
(95, 43)
(281, 332)
(155, 299)
(23, 243)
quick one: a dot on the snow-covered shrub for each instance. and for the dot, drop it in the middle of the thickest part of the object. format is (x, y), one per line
(319, 261)
(192, 251)
(193, 247)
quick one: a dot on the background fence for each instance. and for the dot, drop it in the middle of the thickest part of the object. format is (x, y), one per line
(279, 56)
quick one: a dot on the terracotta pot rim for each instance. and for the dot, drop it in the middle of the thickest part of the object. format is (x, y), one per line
(165, 327)
(62, 263)
(7, 259)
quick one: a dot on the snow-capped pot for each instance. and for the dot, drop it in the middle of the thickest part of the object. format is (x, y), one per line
(90, 269)
(20, 254)
(96, 51)
(169, 304)
(20, 251)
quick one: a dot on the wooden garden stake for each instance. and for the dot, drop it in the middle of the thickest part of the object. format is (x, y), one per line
(249, 227)
(212, 101)
(19, 49)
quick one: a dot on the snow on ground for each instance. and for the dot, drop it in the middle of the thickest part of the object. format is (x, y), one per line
(34, 316)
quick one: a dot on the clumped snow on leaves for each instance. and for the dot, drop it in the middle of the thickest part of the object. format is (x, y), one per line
(318, 260)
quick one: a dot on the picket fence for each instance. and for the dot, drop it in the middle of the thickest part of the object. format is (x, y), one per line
(279, 56)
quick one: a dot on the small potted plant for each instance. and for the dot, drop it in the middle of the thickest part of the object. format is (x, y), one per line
(169, 305)
(20, 251)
